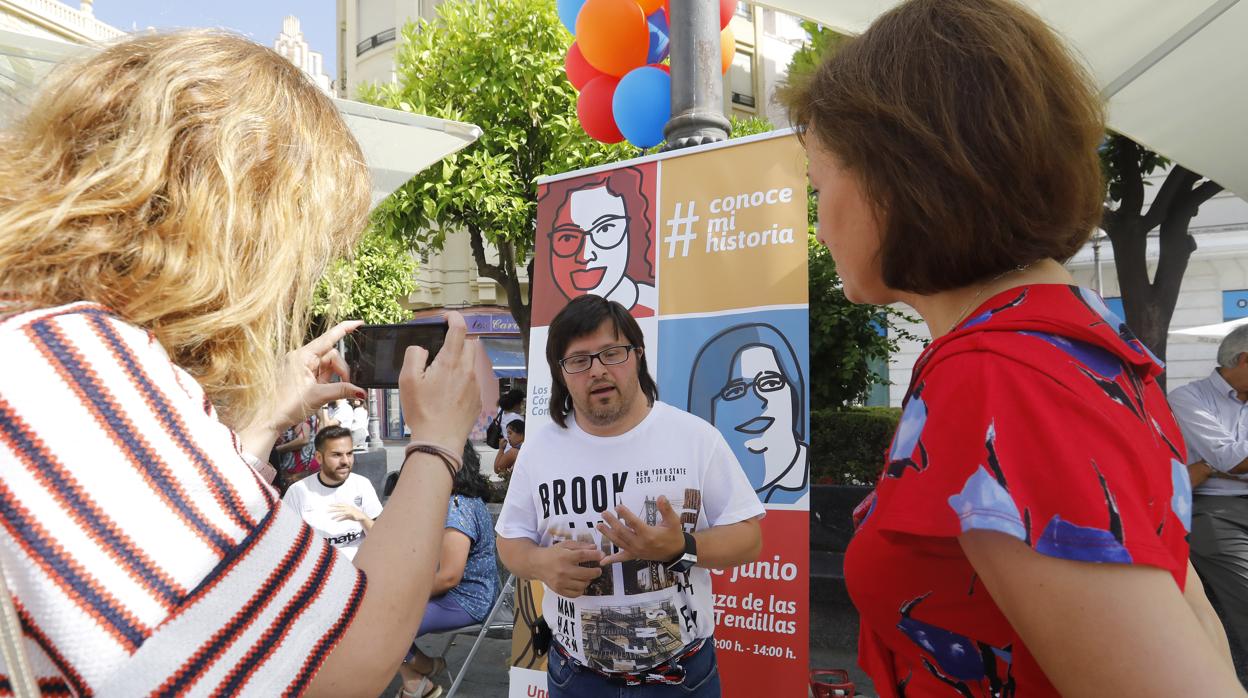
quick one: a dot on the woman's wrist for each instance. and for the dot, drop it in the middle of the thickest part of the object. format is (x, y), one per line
(257, 440)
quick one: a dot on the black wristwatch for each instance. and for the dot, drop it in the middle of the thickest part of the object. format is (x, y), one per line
(688, 558)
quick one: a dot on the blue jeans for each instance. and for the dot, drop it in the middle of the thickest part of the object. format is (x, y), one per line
(567, 680)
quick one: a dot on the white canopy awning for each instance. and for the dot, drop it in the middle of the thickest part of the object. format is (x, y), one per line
(1173, 72)
(396, 144)
(1209, 334)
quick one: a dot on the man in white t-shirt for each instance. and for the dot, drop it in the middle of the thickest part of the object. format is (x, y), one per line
(338, 504)
(621, 508)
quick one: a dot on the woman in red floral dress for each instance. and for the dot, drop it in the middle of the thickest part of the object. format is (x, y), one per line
(1028, 534)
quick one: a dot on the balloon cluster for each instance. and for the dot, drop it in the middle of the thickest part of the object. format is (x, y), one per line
(616, 63)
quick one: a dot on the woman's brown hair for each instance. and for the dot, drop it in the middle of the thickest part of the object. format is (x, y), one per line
(974, 131)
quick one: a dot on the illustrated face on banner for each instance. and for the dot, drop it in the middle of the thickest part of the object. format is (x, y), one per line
(747, 382)
(756, 405)
(599, 240)
(589, 245)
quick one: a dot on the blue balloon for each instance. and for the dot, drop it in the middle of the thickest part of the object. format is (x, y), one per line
(660, 39)
(568, 10)
(642, 105)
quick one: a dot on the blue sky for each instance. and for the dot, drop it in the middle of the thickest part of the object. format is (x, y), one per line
(261, 20)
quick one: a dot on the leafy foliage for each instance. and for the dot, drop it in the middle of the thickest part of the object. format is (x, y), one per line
(368, 286)
(497, 64)
(850, 444)
(1120, 154)
(845, 337)
(823, 42)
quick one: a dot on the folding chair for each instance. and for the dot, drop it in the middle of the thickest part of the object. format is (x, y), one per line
(505, 600)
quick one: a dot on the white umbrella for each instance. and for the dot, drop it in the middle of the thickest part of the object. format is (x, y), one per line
(1173, 72)
(396, 144)
(1209, 334)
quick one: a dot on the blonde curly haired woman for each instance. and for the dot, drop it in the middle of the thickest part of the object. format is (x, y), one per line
(165, 208)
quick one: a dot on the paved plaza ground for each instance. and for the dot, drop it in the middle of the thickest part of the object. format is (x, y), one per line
(487, 678)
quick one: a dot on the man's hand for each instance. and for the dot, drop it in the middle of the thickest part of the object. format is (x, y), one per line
(346, 512)
(568, 567)
(637, 540)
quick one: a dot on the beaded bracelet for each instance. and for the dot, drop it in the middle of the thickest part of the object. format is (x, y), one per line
(449, 459)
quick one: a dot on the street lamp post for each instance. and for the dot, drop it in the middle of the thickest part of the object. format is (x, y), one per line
(697, 80)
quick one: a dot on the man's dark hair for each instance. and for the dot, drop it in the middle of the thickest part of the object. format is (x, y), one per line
(583, 316)
(511, 399)
(469, 482)
(329, 434)
(516, 425)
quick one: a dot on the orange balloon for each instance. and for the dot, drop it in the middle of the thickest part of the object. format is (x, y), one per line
(649, 6)
(613, 35)
(727, 48)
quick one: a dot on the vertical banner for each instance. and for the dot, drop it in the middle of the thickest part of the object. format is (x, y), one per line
(707, 248)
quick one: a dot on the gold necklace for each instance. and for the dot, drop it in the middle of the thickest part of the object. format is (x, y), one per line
(987, 284)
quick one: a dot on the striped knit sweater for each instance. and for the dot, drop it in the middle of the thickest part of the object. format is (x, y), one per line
(144, 556)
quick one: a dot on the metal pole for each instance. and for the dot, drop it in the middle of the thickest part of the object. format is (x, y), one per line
(697, 81)
(1096, 259)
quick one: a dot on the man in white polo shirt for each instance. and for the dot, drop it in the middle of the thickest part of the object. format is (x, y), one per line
(337, 503)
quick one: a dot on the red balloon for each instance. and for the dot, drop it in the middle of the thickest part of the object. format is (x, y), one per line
(726, 8)
(661, 66)
(578, 69)
(593, 108)
(614, 35)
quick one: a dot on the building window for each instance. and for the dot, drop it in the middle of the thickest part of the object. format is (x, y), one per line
(741, 79)
(1234, 304)
(743, 10)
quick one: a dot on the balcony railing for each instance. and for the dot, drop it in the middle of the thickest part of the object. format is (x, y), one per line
(374, 41)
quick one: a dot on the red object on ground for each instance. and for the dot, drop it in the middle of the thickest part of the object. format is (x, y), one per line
(593, 108)
(826, 683)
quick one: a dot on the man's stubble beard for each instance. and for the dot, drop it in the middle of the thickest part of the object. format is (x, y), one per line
(606, 415)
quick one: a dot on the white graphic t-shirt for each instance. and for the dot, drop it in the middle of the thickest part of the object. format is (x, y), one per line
(637, 614)
(313, 499)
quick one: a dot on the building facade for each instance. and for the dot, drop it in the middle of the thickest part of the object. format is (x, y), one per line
(765, 43)
(49, 19)
(1215, 289)
(294, 48)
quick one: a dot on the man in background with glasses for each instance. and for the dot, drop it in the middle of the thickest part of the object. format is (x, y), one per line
(621, 507)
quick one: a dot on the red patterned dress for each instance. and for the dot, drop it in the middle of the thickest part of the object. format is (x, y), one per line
(1038, 417)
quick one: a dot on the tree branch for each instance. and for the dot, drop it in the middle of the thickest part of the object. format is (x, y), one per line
(1126, 161)
(484, 268)
(1195, 198)
(1179, 181)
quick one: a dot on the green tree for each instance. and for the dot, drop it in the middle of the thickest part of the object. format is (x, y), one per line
(497, 64)
(368, 286)
(823, 42)
(1149, 302)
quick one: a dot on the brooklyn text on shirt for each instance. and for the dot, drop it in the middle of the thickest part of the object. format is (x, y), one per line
(597, 493)
(720, 223)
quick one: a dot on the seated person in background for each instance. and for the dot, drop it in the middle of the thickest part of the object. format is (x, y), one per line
(467, 578)
(506, 458)
(337, 503)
